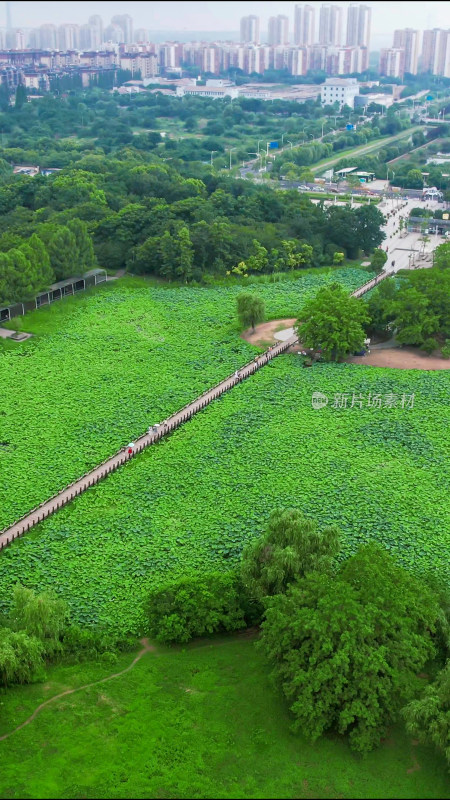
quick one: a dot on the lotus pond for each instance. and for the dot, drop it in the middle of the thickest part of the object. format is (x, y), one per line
(192, 501)
(103, 366)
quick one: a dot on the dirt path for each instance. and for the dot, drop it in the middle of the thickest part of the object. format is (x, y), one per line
(147, 648)
(405, 358)
(264, 333)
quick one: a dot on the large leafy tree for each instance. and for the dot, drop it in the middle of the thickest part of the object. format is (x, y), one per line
(428, 718)
(35, 251)
(250, 309)
(63, 251)
(24, 280)
(369, 222)
(20, 656)
(85, 247)
(346, 652)
(333, 321)
(176, 254)
(442, 256)
(290, 548)
(40, 615)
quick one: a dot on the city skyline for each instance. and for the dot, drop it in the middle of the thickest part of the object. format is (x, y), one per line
(216, 16)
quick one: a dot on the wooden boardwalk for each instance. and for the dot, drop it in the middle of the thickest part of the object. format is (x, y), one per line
(91, 478)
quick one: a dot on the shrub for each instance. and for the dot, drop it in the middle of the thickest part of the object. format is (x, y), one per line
(20, 657)
(195, 606)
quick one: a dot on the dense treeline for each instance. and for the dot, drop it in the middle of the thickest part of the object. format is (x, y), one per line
(147, 216)
(416, 306)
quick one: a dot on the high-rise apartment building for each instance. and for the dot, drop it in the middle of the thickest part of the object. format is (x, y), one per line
(19, 39)
(86, 37)
(48, 37)
(113, 33)
(68, 37)
(96, 24)
(125, 22)
(392, 62)
(436, 52)
(358, 29)
(358, 25)
(330, 24)
(250, 30)
(304, 25)
(278, 32)
(408, 40)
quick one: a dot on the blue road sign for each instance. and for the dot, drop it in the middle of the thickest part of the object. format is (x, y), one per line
(273, 144)
(429, 97)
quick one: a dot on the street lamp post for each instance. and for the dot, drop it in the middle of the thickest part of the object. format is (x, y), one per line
(231, 148)
(212, 153)
(289, 143)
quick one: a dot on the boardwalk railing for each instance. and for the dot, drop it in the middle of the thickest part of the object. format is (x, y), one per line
(366, 287)
(91, 478)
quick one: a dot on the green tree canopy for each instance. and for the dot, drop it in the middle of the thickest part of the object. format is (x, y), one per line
(428, 718)
(333, 321)
(378, 260)
(40, 615)
(346, 652)
(63, 251)
(290, 548)
(85, 248)
(250, 309)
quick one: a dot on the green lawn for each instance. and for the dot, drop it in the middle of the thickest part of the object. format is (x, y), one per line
(364, 148)
(201, 722)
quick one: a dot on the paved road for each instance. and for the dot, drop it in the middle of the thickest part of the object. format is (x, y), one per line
(406, 249)
(91, 478)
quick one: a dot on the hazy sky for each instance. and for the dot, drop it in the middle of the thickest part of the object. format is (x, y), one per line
(216, 16)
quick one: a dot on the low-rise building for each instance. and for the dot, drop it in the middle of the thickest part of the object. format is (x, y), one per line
(339, 90)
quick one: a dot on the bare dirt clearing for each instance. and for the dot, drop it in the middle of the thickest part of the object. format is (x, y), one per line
(264, 333)
(405, 358)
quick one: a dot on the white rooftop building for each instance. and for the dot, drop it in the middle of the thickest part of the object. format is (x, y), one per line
(341, 90)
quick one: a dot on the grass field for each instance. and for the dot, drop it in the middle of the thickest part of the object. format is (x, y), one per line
(191, 502)
(102, 367)
(200, 722)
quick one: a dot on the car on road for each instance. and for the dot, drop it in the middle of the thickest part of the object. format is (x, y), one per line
(303, 188)
(318, 189)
